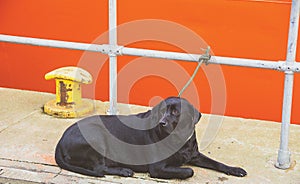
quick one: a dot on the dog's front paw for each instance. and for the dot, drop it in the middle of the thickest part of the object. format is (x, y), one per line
(188, 173)
(184, 173)
(126, 172)
(236, 171)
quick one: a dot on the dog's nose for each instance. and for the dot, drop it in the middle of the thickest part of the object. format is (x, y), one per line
(163, 122)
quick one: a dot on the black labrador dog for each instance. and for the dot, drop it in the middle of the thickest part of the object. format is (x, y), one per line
(158, 141)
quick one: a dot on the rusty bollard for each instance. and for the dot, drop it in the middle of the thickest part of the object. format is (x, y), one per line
(68, 102)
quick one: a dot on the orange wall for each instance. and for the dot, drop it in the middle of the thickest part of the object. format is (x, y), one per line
(235, 28)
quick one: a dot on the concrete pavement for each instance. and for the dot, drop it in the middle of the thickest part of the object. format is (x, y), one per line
(28, 138)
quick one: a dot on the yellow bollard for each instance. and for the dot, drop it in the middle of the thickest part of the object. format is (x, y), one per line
(68, 102)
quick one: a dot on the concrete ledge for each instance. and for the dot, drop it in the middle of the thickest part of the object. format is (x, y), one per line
(28, 138)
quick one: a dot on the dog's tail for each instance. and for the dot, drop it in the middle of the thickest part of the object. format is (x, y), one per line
(62, 163)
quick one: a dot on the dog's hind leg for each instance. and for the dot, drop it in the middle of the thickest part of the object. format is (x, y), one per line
(95, 172)
(203, 161)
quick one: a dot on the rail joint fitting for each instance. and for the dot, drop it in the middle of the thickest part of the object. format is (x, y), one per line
(112, 50)
(288, 67)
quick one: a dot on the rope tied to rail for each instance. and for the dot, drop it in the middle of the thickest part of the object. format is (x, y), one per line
(204, 58)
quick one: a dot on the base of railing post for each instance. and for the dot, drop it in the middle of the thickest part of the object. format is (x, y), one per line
(284, 159)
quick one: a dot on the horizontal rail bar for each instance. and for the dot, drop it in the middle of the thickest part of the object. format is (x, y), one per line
(160, 54)
(274, 65)
(52, 43)
(120, 50)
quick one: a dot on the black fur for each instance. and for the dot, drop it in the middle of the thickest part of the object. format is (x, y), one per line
(75, 151)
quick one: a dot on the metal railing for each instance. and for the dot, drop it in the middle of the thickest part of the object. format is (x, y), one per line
(113, 50)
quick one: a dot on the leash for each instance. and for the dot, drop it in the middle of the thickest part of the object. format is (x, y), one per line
(203, 58)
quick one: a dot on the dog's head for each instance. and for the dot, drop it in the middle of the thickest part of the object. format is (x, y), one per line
(173, 111)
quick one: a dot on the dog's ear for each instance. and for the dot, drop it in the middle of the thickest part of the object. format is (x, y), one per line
(156, 112)
(193, 113)
(197, 116)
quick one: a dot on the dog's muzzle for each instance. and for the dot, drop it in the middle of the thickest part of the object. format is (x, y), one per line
(163, 122)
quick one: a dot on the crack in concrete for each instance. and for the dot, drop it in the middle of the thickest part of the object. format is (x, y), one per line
(60, 170)
(18, 121)
(26, 169)
(11, 180)
(56, 174)
(88, 177)
(28, 162)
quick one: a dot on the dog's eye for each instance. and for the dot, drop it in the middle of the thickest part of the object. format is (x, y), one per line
(175, 112)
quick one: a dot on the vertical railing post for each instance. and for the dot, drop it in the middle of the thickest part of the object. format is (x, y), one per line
(113, 57)
(283, 160)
